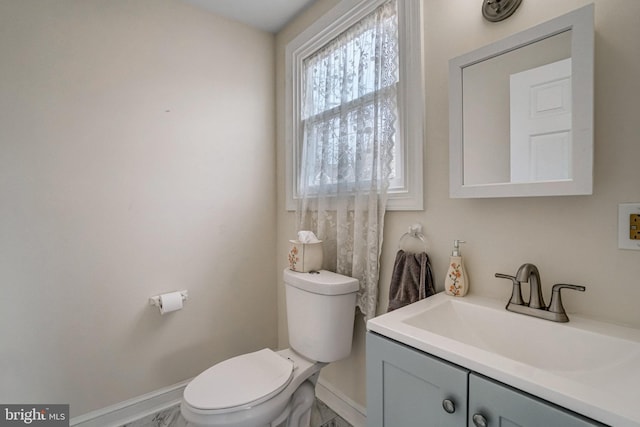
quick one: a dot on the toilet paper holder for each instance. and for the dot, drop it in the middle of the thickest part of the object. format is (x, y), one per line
(155, 300)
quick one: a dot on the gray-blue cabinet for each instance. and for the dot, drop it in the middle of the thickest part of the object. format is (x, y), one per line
(409, 388)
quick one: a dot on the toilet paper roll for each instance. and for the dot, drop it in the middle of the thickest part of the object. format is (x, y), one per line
(170, 302)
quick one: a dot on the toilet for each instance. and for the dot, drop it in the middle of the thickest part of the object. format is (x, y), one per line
(270, 388)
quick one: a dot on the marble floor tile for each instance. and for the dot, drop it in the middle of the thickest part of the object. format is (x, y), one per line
(169, 417)
(321, 416)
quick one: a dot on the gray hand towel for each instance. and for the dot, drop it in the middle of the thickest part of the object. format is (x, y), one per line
(411, 280)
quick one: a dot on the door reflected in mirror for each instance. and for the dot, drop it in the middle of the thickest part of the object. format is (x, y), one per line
(523, 132)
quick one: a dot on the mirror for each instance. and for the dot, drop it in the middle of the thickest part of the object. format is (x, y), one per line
(521, 113)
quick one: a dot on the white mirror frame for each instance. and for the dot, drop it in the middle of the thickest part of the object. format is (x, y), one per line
(581, 23)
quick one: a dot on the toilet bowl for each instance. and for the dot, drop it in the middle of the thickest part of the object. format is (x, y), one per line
(276, 389)
(247, 390)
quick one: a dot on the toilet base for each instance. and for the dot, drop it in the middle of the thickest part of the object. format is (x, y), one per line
(298, 411)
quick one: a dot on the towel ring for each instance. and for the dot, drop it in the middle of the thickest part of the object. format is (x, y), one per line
(415, 232)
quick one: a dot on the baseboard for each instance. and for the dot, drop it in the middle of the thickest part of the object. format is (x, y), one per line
(132, 409)
(354, 413)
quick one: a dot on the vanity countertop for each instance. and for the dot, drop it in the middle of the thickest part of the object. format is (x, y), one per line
(590, 367)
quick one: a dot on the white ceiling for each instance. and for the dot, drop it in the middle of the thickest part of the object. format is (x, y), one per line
(267, 15)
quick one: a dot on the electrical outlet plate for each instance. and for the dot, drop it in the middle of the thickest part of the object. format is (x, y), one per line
(634, 227)
(629, 226)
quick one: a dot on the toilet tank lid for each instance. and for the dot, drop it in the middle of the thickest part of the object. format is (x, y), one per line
(321, 282)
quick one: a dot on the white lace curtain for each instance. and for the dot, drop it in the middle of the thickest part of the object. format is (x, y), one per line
(349, 124)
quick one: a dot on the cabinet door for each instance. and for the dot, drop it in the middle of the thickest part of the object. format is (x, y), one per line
(407, 388)
(503, 406)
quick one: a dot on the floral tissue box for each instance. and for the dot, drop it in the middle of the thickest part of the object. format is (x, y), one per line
(305, 257)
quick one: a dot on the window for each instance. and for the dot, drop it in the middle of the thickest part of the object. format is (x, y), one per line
(311, 62)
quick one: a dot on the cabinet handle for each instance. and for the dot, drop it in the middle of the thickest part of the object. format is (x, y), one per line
(479, 420)
(449, 406)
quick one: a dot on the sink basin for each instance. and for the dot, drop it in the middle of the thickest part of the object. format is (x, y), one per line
(536, 342)
(590, 367)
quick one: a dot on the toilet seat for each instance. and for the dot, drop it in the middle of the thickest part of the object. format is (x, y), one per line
(241, 381)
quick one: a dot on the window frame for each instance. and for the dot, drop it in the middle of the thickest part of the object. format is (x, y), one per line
(410, 96)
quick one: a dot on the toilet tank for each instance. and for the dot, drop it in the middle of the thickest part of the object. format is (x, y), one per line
(320, 312)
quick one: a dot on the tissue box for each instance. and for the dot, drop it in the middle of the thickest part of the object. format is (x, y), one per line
(305, 257)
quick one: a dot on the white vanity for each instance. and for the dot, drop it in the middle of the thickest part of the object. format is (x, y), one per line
(447, 361)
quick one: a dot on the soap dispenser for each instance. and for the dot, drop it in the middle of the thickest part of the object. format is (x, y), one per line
(456, 283)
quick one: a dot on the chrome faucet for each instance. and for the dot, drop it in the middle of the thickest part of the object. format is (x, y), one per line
(528, 273)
